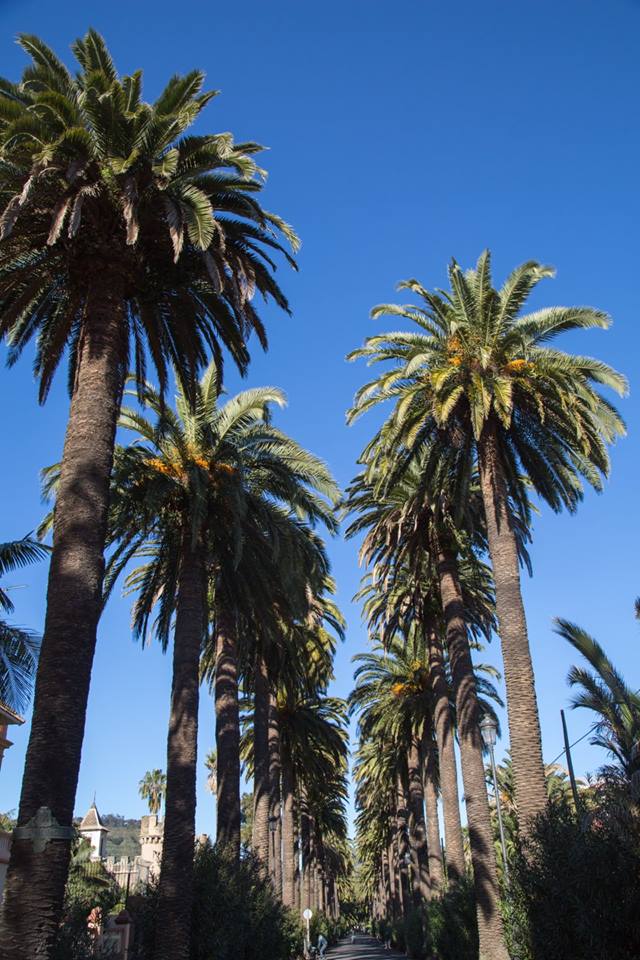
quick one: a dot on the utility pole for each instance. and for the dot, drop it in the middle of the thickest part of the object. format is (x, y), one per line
(567, 750)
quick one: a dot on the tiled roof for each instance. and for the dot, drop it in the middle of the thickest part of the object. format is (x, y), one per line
(91, 820)
(7, 715)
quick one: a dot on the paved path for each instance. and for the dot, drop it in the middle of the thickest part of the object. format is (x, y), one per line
(365, 948)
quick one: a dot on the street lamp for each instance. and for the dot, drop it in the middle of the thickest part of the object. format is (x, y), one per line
(273, 828)
(489, 731)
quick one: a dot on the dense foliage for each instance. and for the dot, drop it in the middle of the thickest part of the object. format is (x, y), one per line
(236, 914)
(577, 891)
(442, 928)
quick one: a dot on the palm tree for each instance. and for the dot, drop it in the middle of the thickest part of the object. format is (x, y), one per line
(417, 548)
(602, 690)
(379, 828)
(197, 494)
(19, 648)
(211, 763)
(392, 694)
(293, 640)
(262, 596)
(313, 742)
(121, 238)
(153, 788)
(481, 374)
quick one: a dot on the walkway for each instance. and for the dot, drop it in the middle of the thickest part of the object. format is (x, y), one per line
(365, 948)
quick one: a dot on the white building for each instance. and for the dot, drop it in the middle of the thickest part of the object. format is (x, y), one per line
(93, 830)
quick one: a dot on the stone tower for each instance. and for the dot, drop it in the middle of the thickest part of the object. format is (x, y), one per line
(151, 833)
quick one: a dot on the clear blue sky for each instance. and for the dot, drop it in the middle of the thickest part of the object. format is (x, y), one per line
(401, 134)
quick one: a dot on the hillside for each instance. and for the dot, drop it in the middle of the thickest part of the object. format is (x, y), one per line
(123, 839)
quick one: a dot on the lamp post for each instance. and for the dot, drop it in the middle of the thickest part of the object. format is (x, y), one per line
(273, 826)
(489, 731)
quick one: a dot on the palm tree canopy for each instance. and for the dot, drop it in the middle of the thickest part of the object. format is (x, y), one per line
(222, 471)
(152, 788)
(604, 691)
(98, 186)
(19, 648)
(473, 358)
(211, 763)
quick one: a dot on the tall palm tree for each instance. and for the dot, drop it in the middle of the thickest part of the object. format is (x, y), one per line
(379, 828)
(313, 741)
(19, 648)
(416, 547)
(153, 788)
(392, 693)
(294, 647)
(483, 374)
(197, 494)
(121, 238)
(260, 600)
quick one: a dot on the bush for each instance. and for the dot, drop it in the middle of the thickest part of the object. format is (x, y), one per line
(236, 916)
(236, 913)
(89, 886)
(445, 928)
(332, 929)
(576, 893)
(451, 929)
(414, 934)
(397, 935)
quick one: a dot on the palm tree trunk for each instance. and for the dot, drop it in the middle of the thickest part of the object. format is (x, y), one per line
(315, 893)
(522, 705)
(319, 889)
(173, 925)
(288, 864)
(261, 786)
(394, 880)
(429, 779)
(227, 738)
(387, 884)
(34, 890)
(417, 828)
(308, 879)
(305, 847)
(490, 929)
(402, 842)
(275, 771)
(444, 730)
(296, 854)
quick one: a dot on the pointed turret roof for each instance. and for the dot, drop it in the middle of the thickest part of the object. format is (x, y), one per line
(92, 821)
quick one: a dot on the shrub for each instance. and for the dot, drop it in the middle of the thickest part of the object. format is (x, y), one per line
(397, 935)
(236, 913)
(576, 893)
(321, 923)
(451, 930)
(88, 886)
(414, 934)
(236, 916)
